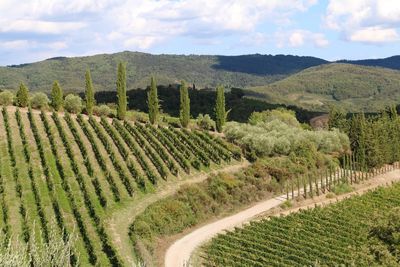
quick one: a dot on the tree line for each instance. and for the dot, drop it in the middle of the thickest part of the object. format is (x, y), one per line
(73, 103)
(374, 138)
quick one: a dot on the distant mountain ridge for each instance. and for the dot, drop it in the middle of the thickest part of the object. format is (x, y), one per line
(353, 87)
(202, 70)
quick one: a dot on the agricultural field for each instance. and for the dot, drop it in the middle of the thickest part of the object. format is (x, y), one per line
(346, 233)
(73, 171)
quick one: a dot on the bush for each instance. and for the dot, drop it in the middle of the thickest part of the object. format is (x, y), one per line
(286, 116)
(39, 101)
(102, 110)
(205, 122)
(73, 104)
(277, 138)
(6, 98)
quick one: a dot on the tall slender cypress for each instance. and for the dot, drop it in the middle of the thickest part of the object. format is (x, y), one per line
(89, 93)
(184, 111)
(121, 91)
(220, 113)
(152, 102)
(22, 97)
(56, 96)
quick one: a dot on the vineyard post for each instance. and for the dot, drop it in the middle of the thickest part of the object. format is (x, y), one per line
(298, 187)
(329, 174)
(322, 182)
(287, 189)
(292, 184)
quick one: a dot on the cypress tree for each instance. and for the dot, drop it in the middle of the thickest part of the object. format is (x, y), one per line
(337, 119)
(56, 96)
(121, 91)
(220, 113)
(184, 111)
(89, 93)
(22, 97)
(152, 101)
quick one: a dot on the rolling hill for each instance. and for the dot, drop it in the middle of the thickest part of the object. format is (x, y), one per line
(350, 86)
(72, 172)
(204, 71)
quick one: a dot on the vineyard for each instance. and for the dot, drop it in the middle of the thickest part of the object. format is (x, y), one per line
(71, 170)
(322, 236)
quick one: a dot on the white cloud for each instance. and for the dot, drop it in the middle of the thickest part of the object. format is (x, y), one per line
(15, 44)
(374, 35)
(58, 45)
(368, 21)
(152, 21)
(298, 38)
(39, 26)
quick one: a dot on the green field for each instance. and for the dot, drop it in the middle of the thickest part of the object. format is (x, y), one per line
(323, 236)
(73, 172)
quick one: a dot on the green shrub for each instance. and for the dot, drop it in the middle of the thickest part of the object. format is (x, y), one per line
(73, 103)
(39, 101)
(6, 98)
(286, 116)
(102, 110)
(205, 122)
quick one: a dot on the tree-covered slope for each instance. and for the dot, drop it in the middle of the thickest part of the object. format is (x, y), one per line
(351, 86)
(204, 71)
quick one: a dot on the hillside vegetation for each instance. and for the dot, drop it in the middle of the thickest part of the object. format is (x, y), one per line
(239, 71)
(353, 87)
(69, 172)
(360, 231)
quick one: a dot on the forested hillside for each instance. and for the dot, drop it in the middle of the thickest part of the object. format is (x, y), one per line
(352, 87)
(204, 71)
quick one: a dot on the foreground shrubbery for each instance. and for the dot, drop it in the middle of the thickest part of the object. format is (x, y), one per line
(274, 133)
(219, 194)
(57, 252)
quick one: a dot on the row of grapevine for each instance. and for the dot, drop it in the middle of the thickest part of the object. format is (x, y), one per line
(210, 150)
(153, 156)
(18, 186)
(327, 235)
(182, 161)
(159, 148)
(35, 190)
(75, 168)
(221, 151)
(99, 156)
(118, 167)
(67, 189)
(49, 182)
(181, 147)
(5, 211)
(124, 153)
(137, 151)
(235, 151)
(201, 156)
(106, 244)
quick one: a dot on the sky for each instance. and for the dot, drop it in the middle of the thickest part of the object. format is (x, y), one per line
(34, 30)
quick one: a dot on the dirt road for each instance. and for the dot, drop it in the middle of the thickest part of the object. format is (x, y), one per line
(179, 253)
(118, 222)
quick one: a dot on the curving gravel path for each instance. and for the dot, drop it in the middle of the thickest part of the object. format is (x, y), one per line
(179, 253)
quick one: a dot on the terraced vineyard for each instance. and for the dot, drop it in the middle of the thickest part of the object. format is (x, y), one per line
(329, 235)
(70, 171)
